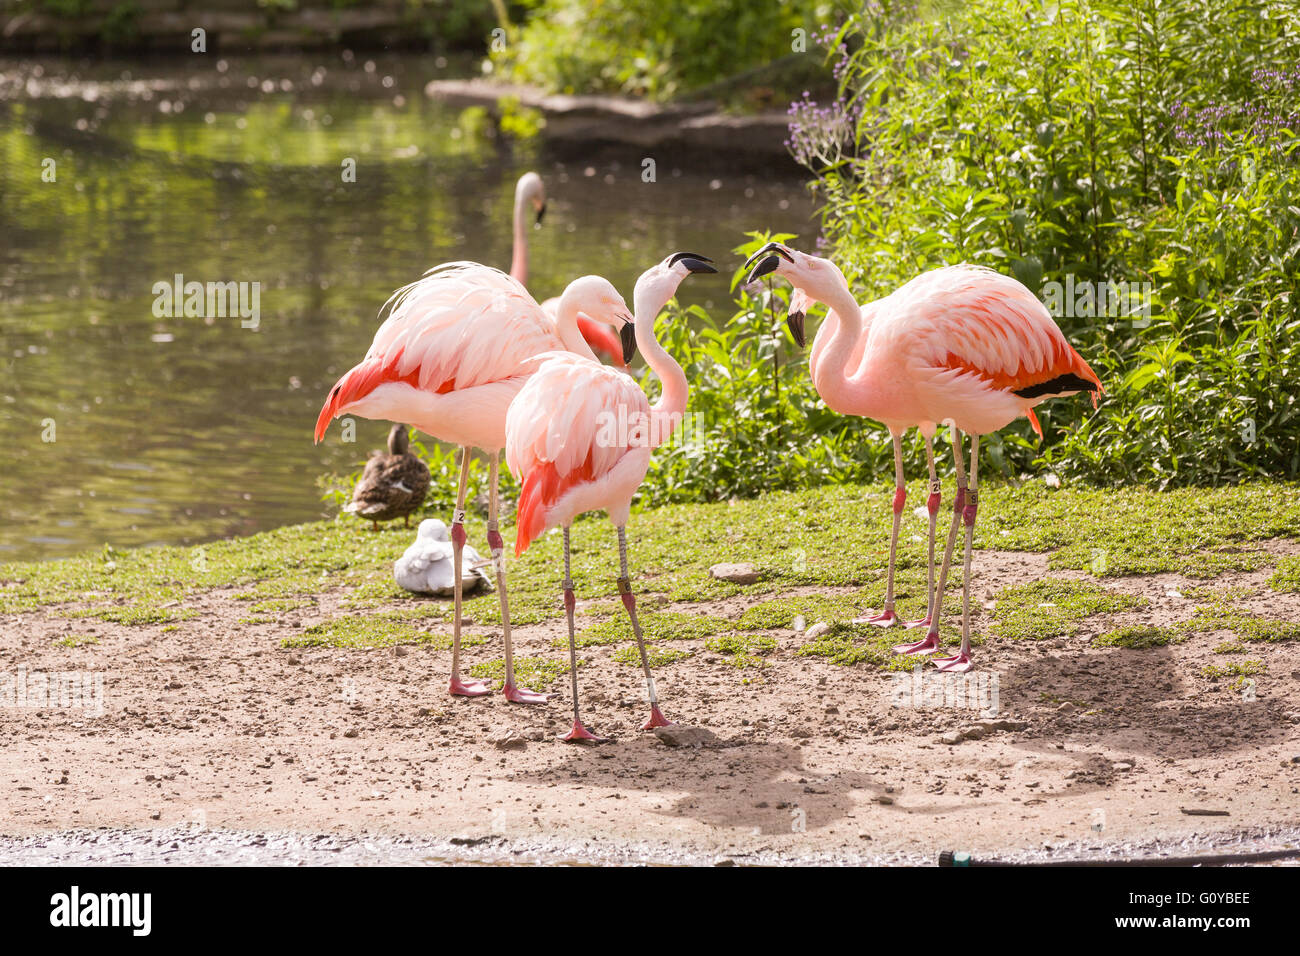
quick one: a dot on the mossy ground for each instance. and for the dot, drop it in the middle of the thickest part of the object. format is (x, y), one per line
(821, 556)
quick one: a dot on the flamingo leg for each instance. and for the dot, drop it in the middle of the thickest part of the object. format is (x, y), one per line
(514, 694)
(657, 718)
(461, 688)
(961, 662)
(578, 731)
(887, 617)
(932, 506)
(930, 643)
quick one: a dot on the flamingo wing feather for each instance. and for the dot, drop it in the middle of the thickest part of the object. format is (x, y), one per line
(433, 336)
(563, 431)
(970, 329)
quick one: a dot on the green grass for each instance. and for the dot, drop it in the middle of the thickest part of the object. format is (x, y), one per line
(846, 644)
(1287, 575)
(1206, 619)
(1234, 669)
(530, 672)
(742, 650)
(841, 534)
(1053, 607)
(1140, 636)
(373, 630)
(76, 640)
(658, 656)
(655, 626)
(1246, 626)
(134, 615)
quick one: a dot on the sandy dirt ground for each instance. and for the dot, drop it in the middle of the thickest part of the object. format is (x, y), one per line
(214, 727)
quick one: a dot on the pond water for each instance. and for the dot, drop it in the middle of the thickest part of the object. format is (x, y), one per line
(178, 430)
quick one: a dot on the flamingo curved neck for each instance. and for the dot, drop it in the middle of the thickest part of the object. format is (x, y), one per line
(566, 327)
(519, 258)
(665, 414)
(830, 367)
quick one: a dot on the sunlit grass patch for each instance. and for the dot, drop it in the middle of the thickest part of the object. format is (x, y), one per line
(742, 650)
(1233, 669)
(1217, 595)
(657, 655)
(1206, 619)
(281, 605)
(835, 535)
(846, 644)
(134, 615)
(1053, 607)
(76, 640)
(1140, 636)
(655, 626)
(781, 612)
(529, 671)
(1246, 626)
(372, 630)
(374, 590)
(1287, 575)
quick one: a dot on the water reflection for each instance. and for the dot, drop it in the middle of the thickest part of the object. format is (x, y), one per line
(176, 430)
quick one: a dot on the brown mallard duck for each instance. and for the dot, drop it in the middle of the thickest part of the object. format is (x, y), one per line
(393, 485)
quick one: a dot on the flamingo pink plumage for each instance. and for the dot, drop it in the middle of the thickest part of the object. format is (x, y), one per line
(960, 344)
(455, 349)
(579, 437)
(530, 193)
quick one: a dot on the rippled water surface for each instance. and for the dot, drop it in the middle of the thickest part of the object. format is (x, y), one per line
(177, 430)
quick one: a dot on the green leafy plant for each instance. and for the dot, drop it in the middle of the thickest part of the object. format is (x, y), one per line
(1098, 141)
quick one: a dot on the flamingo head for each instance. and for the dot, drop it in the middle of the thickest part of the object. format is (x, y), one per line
(530, 191)
(600, 301)
(657, 285)
(814, 280)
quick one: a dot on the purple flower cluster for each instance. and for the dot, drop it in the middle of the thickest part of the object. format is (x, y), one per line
(840, 51)
(820, 135)
(1263, 119)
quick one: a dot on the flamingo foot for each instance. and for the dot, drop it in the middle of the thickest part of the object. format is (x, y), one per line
(579, 733)
(468, 688)
(657, 719)
(957, 664)
(927, 646)
(885, 619)
(923, 622)
(522, 695)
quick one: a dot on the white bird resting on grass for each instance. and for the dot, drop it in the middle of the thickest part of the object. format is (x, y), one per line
(426, 566)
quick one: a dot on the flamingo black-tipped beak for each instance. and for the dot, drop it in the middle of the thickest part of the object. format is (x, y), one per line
(627, 336)
(541, 211)
(794, 321)
(765, 267)
(694, 264)
(776, 247)
(677, 257)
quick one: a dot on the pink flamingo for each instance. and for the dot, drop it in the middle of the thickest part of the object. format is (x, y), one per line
(961, 344)
(530, 193)
(456, 347)
(579, 437)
